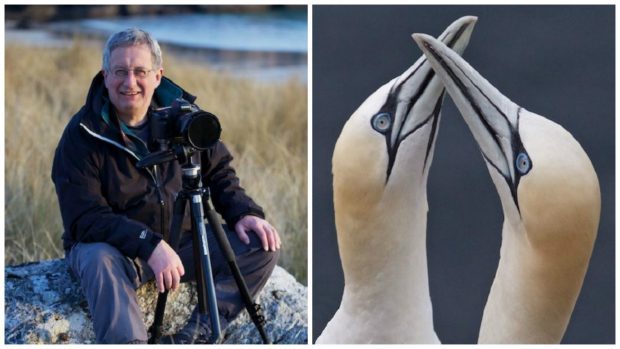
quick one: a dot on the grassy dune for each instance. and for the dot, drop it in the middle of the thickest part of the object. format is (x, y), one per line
(263, 124)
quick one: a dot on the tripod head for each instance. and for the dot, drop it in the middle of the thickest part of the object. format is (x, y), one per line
(180, 152)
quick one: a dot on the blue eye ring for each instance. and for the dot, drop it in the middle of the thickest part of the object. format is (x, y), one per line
(381, 122)
(523, 163)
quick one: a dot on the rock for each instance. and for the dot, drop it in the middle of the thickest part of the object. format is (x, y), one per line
(44, 304)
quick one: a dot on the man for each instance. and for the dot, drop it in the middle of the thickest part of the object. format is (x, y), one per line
(115, 214)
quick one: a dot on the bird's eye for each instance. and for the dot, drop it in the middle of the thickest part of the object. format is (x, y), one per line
(523, 163)
(381, 122)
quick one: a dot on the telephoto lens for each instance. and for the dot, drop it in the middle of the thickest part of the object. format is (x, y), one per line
(199, 129)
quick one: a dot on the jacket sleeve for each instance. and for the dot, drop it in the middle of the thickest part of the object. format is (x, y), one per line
(229, 198)
(86, 215)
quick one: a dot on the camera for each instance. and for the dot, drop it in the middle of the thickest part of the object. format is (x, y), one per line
(185, 124)
(181, 129)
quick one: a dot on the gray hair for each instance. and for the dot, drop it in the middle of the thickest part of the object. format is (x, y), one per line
(132, 37)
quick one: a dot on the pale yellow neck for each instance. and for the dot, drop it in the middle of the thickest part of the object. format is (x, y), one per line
(534, 291)
(384, 261)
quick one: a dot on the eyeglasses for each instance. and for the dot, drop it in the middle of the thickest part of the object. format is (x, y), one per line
(138, 73)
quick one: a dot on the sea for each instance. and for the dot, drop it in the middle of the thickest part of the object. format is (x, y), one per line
(277, 31)
(267, 46)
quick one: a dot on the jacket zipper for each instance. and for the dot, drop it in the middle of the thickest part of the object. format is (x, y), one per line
(153, 174)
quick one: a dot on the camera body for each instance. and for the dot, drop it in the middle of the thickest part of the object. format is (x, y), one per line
(183, 123)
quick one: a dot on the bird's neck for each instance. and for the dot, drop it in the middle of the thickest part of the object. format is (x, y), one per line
(383, 256)
(534, 291)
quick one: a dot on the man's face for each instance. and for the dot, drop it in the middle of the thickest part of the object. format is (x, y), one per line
(131, 95)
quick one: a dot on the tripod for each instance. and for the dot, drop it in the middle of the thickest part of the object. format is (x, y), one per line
(193, 192)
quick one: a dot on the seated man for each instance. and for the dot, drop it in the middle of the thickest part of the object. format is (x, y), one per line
(115, 214)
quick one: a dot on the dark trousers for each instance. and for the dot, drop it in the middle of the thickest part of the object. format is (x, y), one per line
(110, 279)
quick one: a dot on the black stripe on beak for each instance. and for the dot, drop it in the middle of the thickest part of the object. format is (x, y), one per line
(515, 140)
(391, 105)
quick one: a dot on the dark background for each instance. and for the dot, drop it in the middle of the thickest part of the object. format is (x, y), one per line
(556, 61)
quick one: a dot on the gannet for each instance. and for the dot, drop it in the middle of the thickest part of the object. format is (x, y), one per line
(380, 167)
(551, 203)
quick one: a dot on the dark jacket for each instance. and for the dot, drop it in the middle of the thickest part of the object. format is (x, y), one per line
(104, 197)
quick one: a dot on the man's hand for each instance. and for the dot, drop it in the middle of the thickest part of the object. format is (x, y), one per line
(268, 235)
(167, 267)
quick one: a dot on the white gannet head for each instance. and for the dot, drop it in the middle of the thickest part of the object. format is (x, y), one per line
(545, 180)
(387, 144)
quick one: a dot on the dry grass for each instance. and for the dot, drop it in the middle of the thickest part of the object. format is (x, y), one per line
(264, 125)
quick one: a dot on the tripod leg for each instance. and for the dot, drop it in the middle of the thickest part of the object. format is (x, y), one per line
(254, 309)
(160, 308)
(162, 298)
(204, 279)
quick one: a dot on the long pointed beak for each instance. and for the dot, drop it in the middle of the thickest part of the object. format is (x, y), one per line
(492, 118)
(415, 96)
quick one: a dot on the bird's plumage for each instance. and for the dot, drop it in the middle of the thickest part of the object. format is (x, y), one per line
(380, 168)
(551, 201)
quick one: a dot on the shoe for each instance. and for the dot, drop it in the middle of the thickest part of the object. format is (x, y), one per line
(196, 331)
